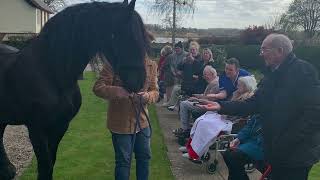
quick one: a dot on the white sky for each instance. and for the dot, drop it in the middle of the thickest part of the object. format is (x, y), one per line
(219, 13)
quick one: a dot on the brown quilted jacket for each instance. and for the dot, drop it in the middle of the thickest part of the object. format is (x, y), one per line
(121, 116)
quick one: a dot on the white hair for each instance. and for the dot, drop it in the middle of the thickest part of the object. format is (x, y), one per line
(211, 70)
(249, 82)
(281, 41)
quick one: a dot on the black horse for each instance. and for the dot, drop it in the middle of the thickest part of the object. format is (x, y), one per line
(38, 85)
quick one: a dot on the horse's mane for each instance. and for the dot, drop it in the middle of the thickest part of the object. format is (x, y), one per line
(73, 36)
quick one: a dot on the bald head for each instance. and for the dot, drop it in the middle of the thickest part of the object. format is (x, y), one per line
(275, 48)
(280, 41)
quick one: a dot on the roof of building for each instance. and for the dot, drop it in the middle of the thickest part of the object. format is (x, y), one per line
(40, 5)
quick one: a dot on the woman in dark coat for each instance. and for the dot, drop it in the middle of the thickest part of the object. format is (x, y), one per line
(248, 146)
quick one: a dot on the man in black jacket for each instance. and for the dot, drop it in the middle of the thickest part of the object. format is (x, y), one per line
(288, 99)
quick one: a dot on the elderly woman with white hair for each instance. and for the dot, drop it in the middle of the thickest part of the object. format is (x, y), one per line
(207, 127)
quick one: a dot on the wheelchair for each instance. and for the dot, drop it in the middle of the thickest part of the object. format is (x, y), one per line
(221, 144)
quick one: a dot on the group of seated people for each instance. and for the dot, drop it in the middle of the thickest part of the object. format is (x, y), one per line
(207, 127)
(233, 84)
(181, 72)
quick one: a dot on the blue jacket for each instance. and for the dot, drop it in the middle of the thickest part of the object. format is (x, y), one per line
(251, 141)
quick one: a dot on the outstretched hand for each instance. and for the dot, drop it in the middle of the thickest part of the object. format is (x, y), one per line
(209, 106)
(234, 143)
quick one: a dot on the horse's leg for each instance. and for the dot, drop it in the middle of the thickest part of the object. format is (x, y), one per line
(7, 169)
(62, 124)
(55, 136)
(39, 140)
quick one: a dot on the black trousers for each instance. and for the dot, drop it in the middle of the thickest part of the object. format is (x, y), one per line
(288, 173)
(235, 161)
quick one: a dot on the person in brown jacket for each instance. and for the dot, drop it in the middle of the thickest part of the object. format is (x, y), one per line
(127, 135)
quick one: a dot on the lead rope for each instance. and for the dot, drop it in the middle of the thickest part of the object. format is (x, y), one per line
(137, 111)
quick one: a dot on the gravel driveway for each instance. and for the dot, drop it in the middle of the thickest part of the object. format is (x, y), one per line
(18, 147)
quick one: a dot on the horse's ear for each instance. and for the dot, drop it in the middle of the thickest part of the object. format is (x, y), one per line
(132, 4)
(125, 2)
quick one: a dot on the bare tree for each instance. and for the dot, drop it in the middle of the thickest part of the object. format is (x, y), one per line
(174, 9)
(303, 14)
(55, 5)
(167, 22)
(274, 21)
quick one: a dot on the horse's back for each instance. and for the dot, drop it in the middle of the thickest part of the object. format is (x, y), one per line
(5, 49)
(8, 55)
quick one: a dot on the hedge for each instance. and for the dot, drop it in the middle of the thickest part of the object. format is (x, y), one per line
(310, 54)
(248, 55)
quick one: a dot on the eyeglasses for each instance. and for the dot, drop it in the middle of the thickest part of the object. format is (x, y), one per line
(264, 50)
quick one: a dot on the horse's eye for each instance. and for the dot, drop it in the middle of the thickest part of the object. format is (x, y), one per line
(112, 36)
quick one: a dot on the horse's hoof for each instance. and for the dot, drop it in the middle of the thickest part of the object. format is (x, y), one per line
(7, 172)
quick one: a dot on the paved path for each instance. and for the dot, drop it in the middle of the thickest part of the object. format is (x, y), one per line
(182, 168)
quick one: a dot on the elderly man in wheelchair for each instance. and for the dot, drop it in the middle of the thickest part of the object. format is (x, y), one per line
(207, 128)
(186, 106)
(246, 86)
(218, 88)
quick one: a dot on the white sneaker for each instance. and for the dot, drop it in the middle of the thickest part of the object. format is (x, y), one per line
(183, 149)
(171, 108)
(186, 155)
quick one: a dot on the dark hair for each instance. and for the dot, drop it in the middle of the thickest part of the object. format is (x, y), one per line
(234, 61)
(179, 44)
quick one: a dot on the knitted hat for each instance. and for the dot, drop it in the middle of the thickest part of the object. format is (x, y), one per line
(179, 44)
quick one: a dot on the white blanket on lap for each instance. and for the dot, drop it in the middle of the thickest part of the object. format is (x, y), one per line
(206, 129)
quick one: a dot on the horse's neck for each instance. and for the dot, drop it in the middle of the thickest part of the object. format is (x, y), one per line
(63, 70)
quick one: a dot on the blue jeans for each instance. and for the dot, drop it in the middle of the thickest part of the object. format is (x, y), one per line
(122, 144)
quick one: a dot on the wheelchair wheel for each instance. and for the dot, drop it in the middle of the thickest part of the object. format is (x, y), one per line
(212, 167)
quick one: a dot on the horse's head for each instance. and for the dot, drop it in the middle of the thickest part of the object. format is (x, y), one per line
(76, 34)
(128, 46)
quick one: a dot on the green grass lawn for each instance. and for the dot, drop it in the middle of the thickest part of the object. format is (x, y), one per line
(86, 151)
(315, 172)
